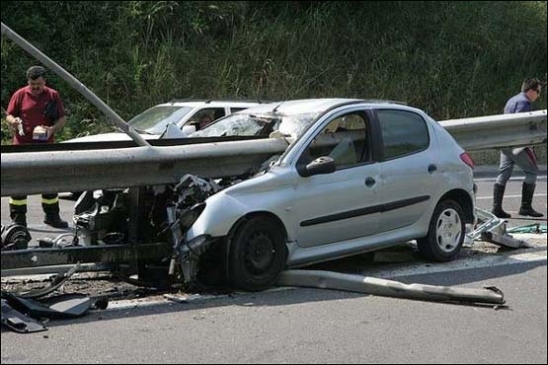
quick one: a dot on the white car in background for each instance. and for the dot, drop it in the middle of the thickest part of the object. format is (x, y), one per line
(182, 118)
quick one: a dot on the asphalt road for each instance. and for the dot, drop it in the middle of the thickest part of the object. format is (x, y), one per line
(307, 326)
(322, 326)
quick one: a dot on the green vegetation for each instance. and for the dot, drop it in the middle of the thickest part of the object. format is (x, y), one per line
(451, 59)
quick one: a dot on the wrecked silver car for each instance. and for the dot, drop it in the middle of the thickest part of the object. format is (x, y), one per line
(356, 176)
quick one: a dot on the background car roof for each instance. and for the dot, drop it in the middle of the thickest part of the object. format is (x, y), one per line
(211, 103)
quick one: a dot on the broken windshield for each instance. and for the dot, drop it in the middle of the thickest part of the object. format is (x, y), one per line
(156, 119)
(245, 124)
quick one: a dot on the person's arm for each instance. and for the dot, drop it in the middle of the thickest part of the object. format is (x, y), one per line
(12, 113)
(60, 122)
(523, 106)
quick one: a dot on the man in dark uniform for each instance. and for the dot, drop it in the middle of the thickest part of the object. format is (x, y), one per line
(35, 112)
(523, 157)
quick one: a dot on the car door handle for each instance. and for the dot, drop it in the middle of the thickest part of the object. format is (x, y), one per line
(370, 182)
(432, 168)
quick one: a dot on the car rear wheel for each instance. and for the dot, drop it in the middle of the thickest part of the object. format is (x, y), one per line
(257, 254)
(446, 232)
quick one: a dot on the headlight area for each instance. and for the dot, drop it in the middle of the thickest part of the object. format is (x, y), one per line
(186, 257)
(184, 263)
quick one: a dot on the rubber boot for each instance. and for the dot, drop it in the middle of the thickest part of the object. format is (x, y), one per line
(52, 217)
(55, 221)
(498, 194)
(18, 214)
(527, 192)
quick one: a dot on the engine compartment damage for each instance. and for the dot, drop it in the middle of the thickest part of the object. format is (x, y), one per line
(127, 231)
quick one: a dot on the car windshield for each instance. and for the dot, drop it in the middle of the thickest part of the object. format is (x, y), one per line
(246, 124)
(156, 119)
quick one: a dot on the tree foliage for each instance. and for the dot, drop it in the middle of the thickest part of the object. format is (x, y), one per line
(452, 59)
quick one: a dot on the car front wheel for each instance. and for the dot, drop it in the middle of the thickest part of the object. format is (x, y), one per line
(446, 233)
(257, 254)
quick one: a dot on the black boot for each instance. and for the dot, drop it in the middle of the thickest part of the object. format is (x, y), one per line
(19, 218)
(55, 221)
(50, 204)
(527, 192)
(498, 194)
(18, 212)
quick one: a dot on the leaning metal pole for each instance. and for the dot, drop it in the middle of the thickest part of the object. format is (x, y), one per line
(88, 94)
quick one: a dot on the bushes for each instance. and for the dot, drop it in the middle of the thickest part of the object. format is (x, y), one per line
(452, 59)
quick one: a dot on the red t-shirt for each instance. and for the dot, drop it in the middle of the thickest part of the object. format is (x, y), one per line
(31, 110)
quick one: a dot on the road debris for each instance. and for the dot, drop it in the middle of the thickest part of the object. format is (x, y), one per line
(383, 287)
(493, 229)
(25, 315)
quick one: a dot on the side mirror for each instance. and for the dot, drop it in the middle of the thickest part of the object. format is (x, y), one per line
(189, 128)
(321, 165)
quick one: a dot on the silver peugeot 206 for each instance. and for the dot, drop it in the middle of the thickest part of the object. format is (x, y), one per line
(357, 176)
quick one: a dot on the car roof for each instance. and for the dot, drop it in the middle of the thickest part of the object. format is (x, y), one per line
(212, 103)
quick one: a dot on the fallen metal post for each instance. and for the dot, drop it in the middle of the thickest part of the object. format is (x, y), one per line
(390, 288)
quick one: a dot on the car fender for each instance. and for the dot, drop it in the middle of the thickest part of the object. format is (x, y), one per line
(262, 194)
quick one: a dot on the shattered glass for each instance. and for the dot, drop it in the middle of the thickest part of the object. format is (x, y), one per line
(243, 124)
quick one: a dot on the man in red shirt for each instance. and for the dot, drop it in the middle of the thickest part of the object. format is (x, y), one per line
(36, 113)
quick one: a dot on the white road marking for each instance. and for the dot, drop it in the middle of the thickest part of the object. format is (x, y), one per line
(467, 264)
(515, 178)
(506, 196)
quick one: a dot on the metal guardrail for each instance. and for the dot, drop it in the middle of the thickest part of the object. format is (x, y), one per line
(49, 172)
(499, 131)
(72, 170)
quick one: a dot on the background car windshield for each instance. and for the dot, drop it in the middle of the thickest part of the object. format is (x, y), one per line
(156, 119)
(251, 125)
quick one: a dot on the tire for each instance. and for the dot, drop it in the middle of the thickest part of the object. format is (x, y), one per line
(445, 234)
(257, 254)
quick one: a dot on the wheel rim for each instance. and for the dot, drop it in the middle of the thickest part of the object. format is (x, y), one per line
(448, 230)
(259, 253)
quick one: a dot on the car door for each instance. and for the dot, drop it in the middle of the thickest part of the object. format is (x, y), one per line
(409, 177)
(340, 205)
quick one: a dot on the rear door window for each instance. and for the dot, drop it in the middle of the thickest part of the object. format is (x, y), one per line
(403, 133)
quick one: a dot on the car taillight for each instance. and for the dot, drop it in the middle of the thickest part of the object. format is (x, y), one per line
(465, 157)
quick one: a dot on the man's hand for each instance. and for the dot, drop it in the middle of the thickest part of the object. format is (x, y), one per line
(18, 126)
(49, 130)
